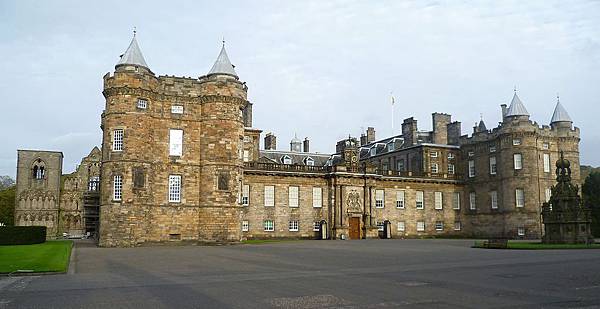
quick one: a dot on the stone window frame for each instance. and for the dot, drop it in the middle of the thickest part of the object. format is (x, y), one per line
(38, 169)
(472, 200)
(439, 226)
(433, 154)
(518, 163)
(379, 200)
(521, 231)
(471, 168)
(546, 161)
(493, 165)
(517, 141)
(245, 225)
(245, 200)
(457, 226)
(545, 145)
(173, 138)
(401, 226)
(117, 187)
(519, 198)
(380, 226)
(438, 198)
(494, 199)
(420, 226)
(293, 225)
(269, 225)
(142, 103)
(450, 155)
(400, 199)
(435, 168)
(317, 226)
(117, 139)
(456, 200)
(492, 148)
(451, 169)
(246, 155)
(177, 109)
(420, 200)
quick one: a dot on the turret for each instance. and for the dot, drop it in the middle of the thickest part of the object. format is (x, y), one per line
(516, 110)
(132, 60)
(560, 117)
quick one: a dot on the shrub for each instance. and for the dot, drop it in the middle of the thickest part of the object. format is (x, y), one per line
(22, 235)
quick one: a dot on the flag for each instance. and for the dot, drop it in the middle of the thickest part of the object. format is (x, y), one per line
(393, 100)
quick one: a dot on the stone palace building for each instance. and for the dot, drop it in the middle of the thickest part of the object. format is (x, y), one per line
(180, 162)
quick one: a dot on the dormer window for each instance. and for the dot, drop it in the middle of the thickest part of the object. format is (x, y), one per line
(142, 103)
(286, 159)
(373, 151)
(309, 161)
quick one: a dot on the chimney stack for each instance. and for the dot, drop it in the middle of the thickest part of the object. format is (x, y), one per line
(306, 145)
(270, 141)
(370, 135)
(504, 110)
(363, 139)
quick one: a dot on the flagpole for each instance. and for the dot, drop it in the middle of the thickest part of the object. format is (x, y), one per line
(392, 98)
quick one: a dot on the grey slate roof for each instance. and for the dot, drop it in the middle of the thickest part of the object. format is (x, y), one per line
(560, 114)
(299, 158)
(223, 65)
(133, 55)
(481, 127)
(516, 107)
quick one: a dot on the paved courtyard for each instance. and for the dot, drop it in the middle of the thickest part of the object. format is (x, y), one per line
(315, 274)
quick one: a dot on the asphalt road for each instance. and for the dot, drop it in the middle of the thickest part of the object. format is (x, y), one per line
(315, 274)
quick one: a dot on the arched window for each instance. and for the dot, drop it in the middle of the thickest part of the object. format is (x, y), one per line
(38, 170)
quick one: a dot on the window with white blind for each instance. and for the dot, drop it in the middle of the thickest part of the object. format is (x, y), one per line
(419, 200)
(245, 226)
(400, 199)
(293, 196)
(494, 199)
(117, 140)
(269, 195)
(471, 168)
(472, 201)
(457, 225)
(437, 196)
(518, 161)
(246, 195)
(174, 188)
(420, 226)
(175, 142)
(548, 193)
(493, 166)
(379, 195)
(317, 197)
(456, 200)
(117, 187)
(520, 198)
(401, 226)
(546, 163)
(293, 226)
(269, 225)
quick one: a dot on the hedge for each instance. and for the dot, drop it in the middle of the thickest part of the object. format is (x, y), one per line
(22, 235)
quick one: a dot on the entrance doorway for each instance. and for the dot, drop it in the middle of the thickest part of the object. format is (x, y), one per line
(354, 231)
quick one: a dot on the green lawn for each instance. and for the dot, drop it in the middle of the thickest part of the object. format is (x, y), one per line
(51, 256)
(540, 246)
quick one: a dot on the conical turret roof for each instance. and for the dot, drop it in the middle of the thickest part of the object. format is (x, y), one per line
(560, 114)
(133, 55)
(481, 126)
(223, 65)
(516, 107)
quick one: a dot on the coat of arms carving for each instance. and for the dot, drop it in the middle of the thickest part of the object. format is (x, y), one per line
(353, 202)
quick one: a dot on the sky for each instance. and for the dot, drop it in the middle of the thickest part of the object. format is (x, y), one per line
(319, 69)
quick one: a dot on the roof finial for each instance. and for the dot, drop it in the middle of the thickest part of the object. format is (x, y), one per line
(223, 41)
(481, 116)
(515, 88)
(557, 98)
(134, 31)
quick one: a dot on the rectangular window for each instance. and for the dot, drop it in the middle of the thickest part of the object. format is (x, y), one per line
(434, 168)
(117, 140)
(419, 200)
(546, 163)
(471, 153)
(516, 141)
(380, 226)
(174, 188)
(472, 201)
(520, 198)
(521, 231)
(420, 226)
(317, 197)
(493, 148)
(246, 156)
(471, 168)
(293, 226)
(548, 194)
(379, 195)
(373, 151)
(545, 146)
(269, 195)
(401, 226)
(450, 156)
(451, 169)
(317, 226)
(246, 195)
(438, 200)
(439, 225)
(117, 187)
(518, 160)
(390, 147)
(400, 165)
(494, 199)
(293, 196)
(269, 225)
(400, 199)
(176, 109)
(142, 103)
(456, 200)
(434, 154)
(457, 225)
(492, 165)
(245, 226)
(175, 142)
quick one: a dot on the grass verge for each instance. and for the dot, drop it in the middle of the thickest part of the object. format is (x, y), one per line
(51, 256)
(520, 245)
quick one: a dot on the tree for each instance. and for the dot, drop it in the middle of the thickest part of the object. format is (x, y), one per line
(7, 205)
(591, 197)
(5, 182)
